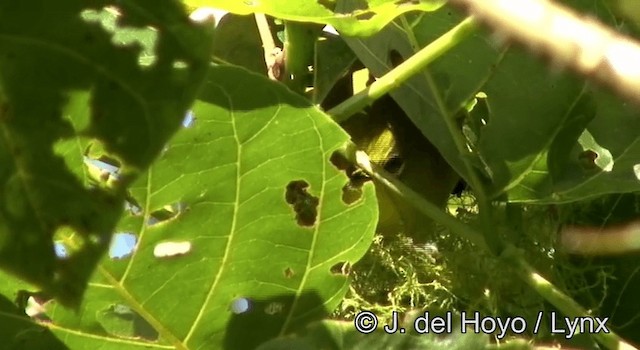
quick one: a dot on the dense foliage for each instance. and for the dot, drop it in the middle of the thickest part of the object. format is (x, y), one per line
(179, 182)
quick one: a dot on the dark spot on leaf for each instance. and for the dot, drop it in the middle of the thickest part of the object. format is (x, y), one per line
(288, 272)
(587, 159)
(328, 4)
(304, 204)
(400, 3)
(122, 321)
(395, 58)
(364, 16)
(167, 212)
(341, 268)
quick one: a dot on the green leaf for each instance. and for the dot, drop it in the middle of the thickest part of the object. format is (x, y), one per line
(528, 135)
(365, 17)
(437, 93)
(333, 59)
(243, 208)
(237, 41)
(121, 75)
(551, 138)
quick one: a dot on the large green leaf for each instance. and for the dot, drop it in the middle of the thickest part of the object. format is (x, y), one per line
(132, 69)
(528, 135)
(456, 76)
(223, 221)
(364, 18)
(549, 137)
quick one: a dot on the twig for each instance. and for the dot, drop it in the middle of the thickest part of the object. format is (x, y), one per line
(402, 72)
(273, 55)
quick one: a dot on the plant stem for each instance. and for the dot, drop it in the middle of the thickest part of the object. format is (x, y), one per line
(299, 48)
(557, 298)
(484, 206)
(361, 159)
(402, 72)
(511, 254)
(268, 44)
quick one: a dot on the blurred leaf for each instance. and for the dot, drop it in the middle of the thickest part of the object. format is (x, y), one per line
(122, 75)
(332, 62)
(237, 41)
(367, 16)
(249, 228)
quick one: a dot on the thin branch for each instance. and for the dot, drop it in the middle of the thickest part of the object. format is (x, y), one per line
(360, 159)
(402, 72)
(273, 55)
(567, 37)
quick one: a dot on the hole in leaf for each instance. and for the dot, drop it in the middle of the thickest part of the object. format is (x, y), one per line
(587, 159)
(143, 40)
(189, 119)
(179, 64)
(240, 305)
(304, 204)
(351, 193)
(395, 58)
(132, 207)
(122, 245)
(341, 268)
(636, 171)
(34, 304)
(101, 171)
(67, 242)
(288, 272)
(167, 212)
(352, 190)
(274, 308)
(340, 162)
(169, 249)
(121, 321)
(60, 249)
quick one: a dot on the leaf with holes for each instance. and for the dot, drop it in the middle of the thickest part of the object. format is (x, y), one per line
(240, 225)
(571, 146)
(364, 18)
(435, 94)
(122, 75)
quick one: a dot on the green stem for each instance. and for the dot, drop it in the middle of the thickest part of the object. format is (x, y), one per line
(389, 181)
(402, 72)
(484, 207)
(557, 298)
(299, 48)
(511, 254)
